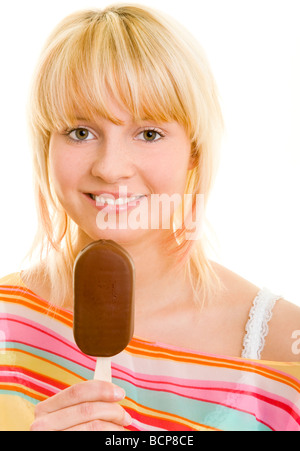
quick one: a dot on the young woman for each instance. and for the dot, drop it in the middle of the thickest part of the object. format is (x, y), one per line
(124, 108)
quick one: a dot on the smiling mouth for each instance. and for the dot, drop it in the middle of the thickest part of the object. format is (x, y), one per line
(103, 200)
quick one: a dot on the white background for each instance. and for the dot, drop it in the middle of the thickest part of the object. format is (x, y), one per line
(254, 50)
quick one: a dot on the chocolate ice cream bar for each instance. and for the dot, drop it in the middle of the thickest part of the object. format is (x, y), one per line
(103, 300)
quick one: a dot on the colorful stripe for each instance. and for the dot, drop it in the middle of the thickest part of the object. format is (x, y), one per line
(167, 388)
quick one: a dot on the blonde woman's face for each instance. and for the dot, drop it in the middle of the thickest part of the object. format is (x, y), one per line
(120, 182)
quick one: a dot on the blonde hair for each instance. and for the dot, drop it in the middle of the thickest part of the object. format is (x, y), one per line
(156, 70)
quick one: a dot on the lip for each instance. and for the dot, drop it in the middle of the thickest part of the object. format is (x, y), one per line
(114, 208)
(122, 193)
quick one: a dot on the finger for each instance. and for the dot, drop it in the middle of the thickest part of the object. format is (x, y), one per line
(96, 425)
(88, 391)
(82, 413)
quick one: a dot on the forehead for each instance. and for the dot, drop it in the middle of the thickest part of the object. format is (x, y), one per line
(88, 68)
(114, 112)
(111, 109)
(121, 116)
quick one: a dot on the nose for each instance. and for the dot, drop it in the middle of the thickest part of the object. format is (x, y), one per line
(112, 162)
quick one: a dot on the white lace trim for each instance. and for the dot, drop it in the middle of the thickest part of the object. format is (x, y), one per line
(257, 327)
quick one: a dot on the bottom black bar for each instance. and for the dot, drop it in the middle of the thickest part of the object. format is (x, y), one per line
(143, 440)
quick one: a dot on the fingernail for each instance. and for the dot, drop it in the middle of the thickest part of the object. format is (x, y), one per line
(119, 393)
(127, 419)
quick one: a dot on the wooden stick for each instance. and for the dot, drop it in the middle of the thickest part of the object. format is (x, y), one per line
(103, 369)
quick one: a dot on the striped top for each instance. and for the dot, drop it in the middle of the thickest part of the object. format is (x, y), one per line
(167, 388)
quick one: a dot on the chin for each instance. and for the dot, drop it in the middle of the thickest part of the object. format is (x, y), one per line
(126, 236)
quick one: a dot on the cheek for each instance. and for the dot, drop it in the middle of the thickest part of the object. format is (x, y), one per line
(169, 173)
(63, 170)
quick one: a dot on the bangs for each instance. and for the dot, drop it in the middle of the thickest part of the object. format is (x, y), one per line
(113, 58)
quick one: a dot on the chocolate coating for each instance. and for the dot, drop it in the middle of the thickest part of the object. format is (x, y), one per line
(103, 281)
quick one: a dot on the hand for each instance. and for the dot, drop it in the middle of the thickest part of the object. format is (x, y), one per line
(87, 406)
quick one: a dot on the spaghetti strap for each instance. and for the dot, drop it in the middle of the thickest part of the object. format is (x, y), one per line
(257, 326)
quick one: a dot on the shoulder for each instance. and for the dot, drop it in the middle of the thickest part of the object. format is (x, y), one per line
(234, 302)
(13, 292)
(11, 281)
(283, 339)
(13, 288)
(236, 290)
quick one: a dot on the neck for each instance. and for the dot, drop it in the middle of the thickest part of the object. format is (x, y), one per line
(157, 272)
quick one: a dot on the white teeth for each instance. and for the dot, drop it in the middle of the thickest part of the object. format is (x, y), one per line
(101, 200)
